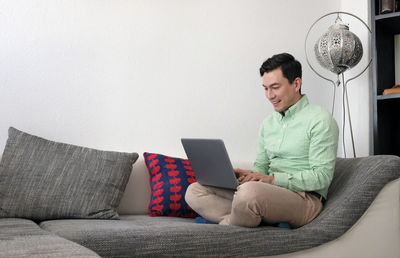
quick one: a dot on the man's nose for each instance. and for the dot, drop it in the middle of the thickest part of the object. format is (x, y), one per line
(270, 94)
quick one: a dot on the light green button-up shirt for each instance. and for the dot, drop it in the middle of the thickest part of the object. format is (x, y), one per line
(299, 148)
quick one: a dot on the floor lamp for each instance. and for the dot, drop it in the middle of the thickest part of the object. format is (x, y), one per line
(338, 50)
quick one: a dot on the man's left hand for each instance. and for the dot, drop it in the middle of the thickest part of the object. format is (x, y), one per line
(255, 176)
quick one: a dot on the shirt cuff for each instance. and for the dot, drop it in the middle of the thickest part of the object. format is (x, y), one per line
(282, 180)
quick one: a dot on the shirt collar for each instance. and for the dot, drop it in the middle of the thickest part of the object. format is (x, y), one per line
(299, 105)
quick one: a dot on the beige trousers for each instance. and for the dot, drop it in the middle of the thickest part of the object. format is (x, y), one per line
(252, 203)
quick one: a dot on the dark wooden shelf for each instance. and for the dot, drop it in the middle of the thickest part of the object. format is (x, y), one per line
(390, 96)
(387, 16)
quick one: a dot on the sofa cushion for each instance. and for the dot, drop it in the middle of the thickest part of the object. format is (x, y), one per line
(24, 238)
(146, 236)
(42, 179)
(169, 180)
(355, 185)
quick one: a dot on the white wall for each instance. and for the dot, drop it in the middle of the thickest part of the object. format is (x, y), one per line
(132, 75)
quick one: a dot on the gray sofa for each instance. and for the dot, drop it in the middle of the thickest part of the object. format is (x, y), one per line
(356, 184)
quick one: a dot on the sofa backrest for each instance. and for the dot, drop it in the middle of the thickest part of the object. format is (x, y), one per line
(136, 197)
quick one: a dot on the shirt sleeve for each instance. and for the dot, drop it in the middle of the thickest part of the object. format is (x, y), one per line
(262, 162)
(322, 156)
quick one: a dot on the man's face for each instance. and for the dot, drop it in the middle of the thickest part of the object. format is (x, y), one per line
(279, 91)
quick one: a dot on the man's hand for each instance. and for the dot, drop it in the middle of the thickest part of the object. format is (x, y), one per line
(241, 172)
(244, 176)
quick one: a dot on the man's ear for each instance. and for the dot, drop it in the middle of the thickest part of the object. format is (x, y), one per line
(297, 83)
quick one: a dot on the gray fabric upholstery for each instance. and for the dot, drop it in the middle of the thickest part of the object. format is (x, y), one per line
(355, 185)
(23, 238)
(42, 179)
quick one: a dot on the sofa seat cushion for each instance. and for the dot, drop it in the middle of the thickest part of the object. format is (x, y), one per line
(143, 235)
(24, 238)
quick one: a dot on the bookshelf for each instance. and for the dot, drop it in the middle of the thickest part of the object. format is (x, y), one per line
(386, 108)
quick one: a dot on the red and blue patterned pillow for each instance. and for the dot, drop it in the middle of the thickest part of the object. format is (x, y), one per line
(169, 179)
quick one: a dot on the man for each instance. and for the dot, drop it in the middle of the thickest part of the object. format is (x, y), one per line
(294, 167)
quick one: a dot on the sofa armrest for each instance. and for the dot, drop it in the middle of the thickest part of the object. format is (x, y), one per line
(356, 183)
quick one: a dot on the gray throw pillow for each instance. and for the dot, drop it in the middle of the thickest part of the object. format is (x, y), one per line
(42, 179)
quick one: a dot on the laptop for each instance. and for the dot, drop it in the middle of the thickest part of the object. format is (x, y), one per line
(210, 162)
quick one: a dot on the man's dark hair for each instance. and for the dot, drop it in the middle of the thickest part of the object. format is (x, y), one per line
(291, 68)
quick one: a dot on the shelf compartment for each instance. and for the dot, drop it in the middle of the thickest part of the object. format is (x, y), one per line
(390, 22)
(389, 127)
(385, 59)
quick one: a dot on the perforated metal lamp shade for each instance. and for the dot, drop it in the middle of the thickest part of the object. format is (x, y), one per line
(338, 49)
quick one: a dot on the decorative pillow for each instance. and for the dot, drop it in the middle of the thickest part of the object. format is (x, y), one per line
(169, 179)
(43, 180)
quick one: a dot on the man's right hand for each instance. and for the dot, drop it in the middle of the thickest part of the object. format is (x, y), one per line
(241, 173)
